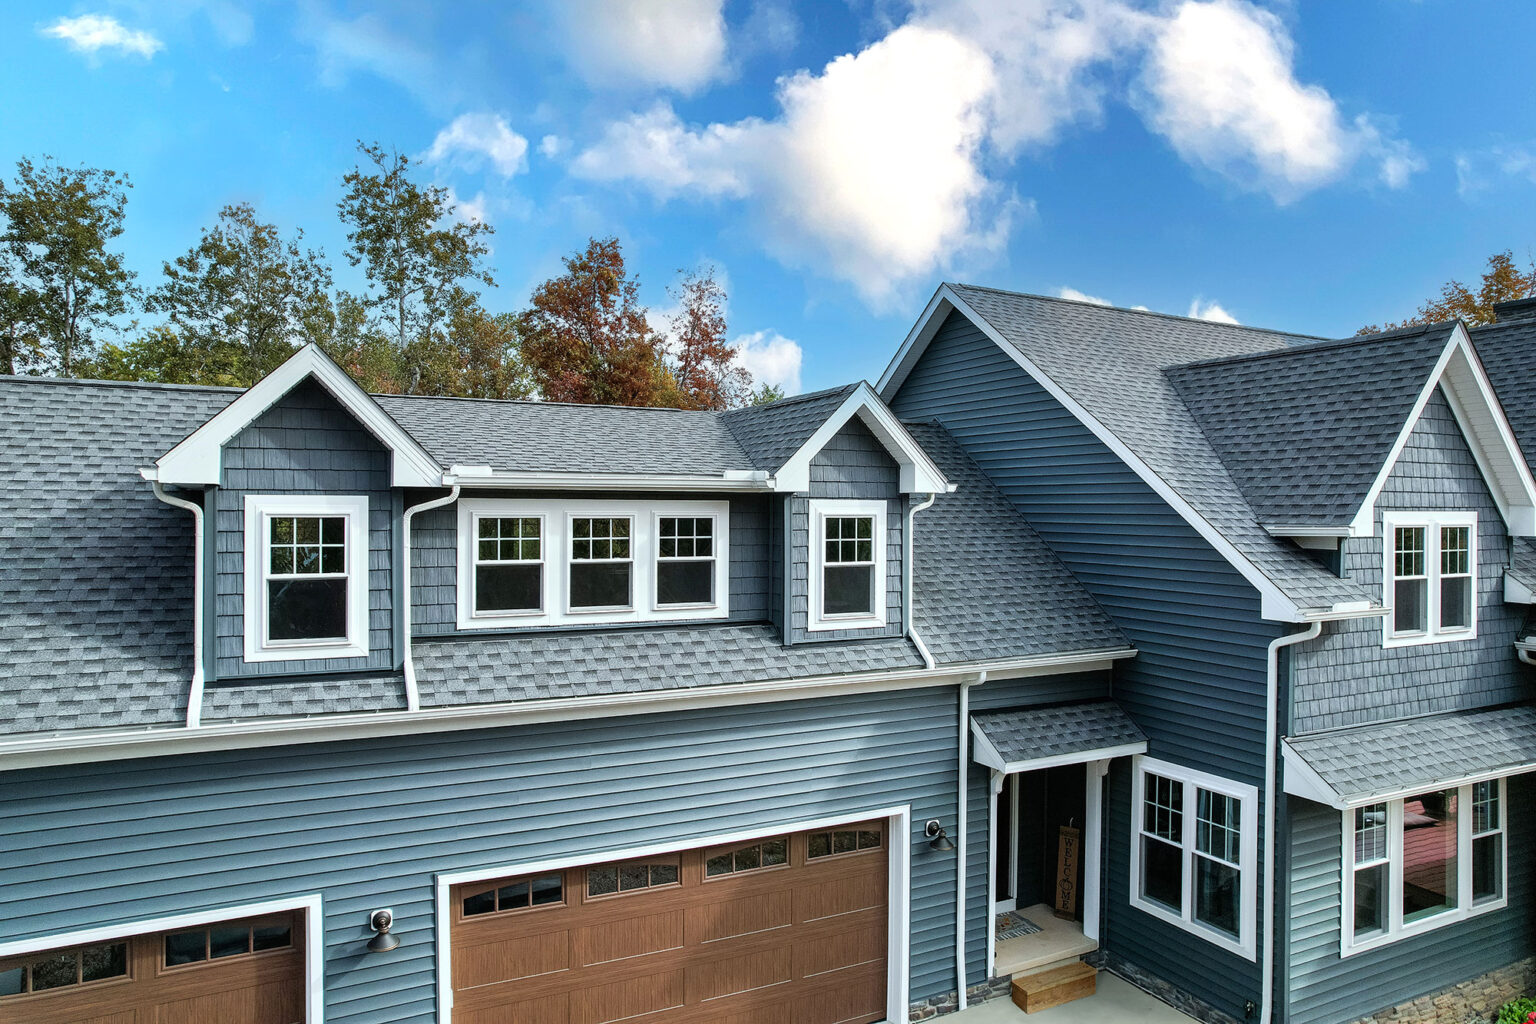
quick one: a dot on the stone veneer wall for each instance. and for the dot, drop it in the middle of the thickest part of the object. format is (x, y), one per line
(1477, 999)
(925, 1009)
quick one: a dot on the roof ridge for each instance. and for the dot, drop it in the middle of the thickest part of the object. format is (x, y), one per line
(796, 399)
(535, 402)
(1334, 343)
(1137, 312)
(148, 385)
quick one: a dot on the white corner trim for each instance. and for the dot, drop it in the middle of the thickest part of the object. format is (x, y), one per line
(314, 938)
(919, 474)
(198, 459)
(1486, 430)
(898, 895)
(254, 604)
(1276, 605)
(820, 510)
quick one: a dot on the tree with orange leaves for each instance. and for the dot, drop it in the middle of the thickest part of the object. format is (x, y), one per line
(704, 364)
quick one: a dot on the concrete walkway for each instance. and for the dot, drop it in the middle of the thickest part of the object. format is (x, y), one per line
(1116, 1002)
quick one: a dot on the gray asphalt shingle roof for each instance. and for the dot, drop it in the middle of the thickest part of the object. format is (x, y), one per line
(1420, 753)
(548, 437)
(531, 667)
(1034, 734)
(772, 434)
(95, 573)
(1508, 352)
(1111, 362)
(1304, 431)
(989, 586)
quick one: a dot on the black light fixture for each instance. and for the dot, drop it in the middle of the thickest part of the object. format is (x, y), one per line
(384, 941)
(938, 839)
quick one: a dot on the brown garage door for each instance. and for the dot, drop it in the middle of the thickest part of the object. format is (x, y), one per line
(790, 929)
(235, 972)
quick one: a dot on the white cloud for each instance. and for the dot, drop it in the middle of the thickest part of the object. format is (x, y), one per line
(473, 139)
(871, 170)
(1077, 296)
(1480, 170)
(1211, 311)
(92, 33)
(551, 146)
(472, 210)
(676, 44)
(1219, 83)
(771, 358)
(771, 27)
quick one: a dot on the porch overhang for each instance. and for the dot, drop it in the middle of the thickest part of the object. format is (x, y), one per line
(1029, 739)
(1368, 764)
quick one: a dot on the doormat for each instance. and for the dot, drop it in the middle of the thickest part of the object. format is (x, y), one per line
(1011, 925)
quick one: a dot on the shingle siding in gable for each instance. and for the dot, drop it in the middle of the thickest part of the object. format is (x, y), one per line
(304, 444)
(1197, 685)
(853, 464)
(1325, 988)
(1346, 677)
(434, 560)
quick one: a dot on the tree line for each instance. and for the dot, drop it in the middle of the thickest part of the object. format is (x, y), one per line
(243, 298)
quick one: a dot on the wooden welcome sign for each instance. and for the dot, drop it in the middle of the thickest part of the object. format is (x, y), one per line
(1068, 849)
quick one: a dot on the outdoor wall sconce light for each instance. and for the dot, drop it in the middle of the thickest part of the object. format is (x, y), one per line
(383, 941)
(938, 839)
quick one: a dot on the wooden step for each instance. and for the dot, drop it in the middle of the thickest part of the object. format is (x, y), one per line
(1054, 986)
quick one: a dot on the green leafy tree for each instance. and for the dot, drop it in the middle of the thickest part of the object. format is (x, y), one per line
(162, 356)
(1502, 281)
(242, 299)
(371, 357)
(766, 394)
(587, 339)
(58, 226)
(20, 346)
(417, 255)
(478, 356)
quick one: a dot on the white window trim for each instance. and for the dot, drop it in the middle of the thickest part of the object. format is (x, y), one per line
(1465, 908)
(1432, 522)
(720, 564)
(258, 507)
(822, 509)
(467, 581)
(645, 520)
(1244, 945)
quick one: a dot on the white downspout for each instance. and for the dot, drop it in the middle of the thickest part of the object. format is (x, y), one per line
(907, 593)
(412, 694)
(1524, 654)
(195, 695)
(1271, 743)
(961, 822)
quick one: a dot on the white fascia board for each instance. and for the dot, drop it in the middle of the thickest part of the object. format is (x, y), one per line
(1486, 430)
(1291, 532)
(1301, 780)
(919, 475)
(1516, 592)
(1275, 604)
(197, 460)
(984, 752)
(93, 745)
(754, 481)
(916, 342)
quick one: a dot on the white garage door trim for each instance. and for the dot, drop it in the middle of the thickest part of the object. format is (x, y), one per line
(314, 939)
(899, 880)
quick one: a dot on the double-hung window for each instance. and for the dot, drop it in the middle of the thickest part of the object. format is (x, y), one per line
(509, 564)
(1421, 862)
(1431, 576)
(1195, 852)
(602, 562)
(306, 577)
(535, 562)
(847, 586)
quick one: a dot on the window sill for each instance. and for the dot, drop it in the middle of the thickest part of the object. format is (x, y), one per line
(307, 652)
(1421, 927)
(827, 623)
(1425, 639)
(1215, 938)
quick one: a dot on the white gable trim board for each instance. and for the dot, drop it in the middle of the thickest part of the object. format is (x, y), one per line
(1486, 429)
(919, 474)
(899, 868)
(1275, 604)
(198, 459)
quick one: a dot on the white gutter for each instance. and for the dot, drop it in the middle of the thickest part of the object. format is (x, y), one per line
(88, 745)
(731, 480)
(195, 693)
(961, 821)
(907, 591)
(1524, 650)
(412, 692)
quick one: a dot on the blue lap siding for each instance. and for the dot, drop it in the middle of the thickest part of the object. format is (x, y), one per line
(1196, 687)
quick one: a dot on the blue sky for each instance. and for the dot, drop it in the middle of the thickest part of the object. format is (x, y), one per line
(1305, 166)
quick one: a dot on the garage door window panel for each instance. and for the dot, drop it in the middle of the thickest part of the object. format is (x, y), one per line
(72, 968)
(512, 895)
(622, 879)
(837, 842)
(763, 855)
(227, 939)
